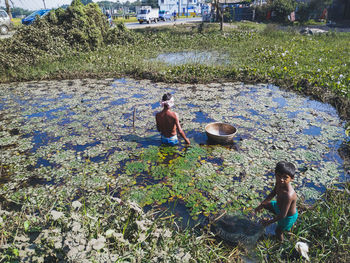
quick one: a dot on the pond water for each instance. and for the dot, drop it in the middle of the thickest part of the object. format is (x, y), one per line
(81, 136)
(193, 57)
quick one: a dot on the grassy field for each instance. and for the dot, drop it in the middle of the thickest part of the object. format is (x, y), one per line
(131, 19)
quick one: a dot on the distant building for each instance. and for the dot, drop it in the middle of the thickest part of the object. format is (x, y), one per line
(190, 7)
(259, 2)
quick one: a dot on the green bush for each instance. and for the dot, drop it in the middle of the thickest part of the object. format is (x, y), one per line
(261, 12)
(303, 12)
(79, 27)
(281, 9)
(311, 9)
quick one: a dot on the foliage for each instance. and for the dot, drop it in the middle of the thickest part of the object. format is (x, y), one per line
(281, 9)
(85, 2)
(17, 11)
(311, 9)
(119, 5)
(261, 12)
(152, 3)
(347, 131)
(77, 28)
(227, 15)
(303, 12)
(177, 179)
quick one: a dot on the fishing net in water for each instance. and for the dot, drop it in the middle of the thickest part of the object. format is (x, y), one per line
(237, 229)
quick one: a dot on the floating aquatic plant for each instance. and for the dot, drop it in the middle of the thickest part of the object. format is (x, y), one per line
(82, 146)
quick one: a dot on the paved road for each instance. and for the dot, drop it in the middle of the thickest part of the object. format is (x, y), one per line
(162, 23)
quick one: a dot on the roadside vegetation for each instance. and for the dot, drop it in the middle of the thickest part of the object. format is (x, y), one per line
(77, 43)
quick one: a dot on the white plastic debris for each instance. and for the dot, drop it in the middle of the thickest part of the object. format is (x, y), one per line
(99, 243)
(76, 204)
(303, 249)
(109, 232)
(56, 215)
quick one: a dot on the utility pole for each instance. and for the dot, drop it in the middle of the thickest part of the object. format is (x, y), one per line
(179, 5)
(44, 4)
(187, 9)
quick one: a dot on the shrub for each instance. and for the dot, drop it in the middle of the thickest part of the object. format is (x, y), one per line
(281, 9)
(303, 12)
(261, 12)
(78, 27)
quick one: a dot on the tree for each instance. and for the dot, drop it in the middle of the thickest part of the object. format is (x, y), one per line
(346, 12)
(282, 8)
(152, 3)
(312, 9)
(17, 11)
(8, 8)
(85, 2)
(319, 5)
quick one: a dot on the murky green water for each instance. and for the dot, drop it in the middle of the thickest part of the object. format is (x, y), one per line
(79, 137)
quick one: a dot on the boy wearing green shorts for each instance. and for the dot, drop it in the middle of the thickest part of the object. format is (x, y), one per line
(284, 207)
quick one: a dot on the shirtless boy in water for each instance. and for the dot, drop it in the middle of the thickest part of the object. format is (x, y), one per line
(284, 207)
(168, 122)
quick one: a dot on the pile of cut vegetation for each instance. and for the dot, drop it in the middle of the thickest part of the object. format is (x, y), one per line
(77, 28)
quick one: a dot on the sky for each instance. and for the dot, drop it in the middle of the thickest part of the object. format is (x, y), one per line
(39, 4)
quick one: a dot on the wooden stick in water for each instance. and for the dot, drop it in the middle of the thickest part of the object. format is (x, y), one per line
(216, 219)
(133, 118)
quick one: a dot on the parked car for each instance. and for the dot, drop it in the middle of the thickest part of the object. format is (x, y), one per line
(30, 19)
(165, 15)
(5, 22)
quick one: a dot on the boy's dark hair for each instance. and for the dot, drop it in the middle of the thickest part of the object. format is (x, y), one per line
(166, 96)
(284, 167)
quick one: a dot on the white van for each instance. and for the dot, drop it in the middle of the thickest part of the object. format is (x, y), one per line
(147, 14)
(5, 22)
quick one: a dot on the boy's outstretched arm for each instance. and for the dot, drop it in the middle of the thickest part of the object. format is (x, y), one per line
(267, 199)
